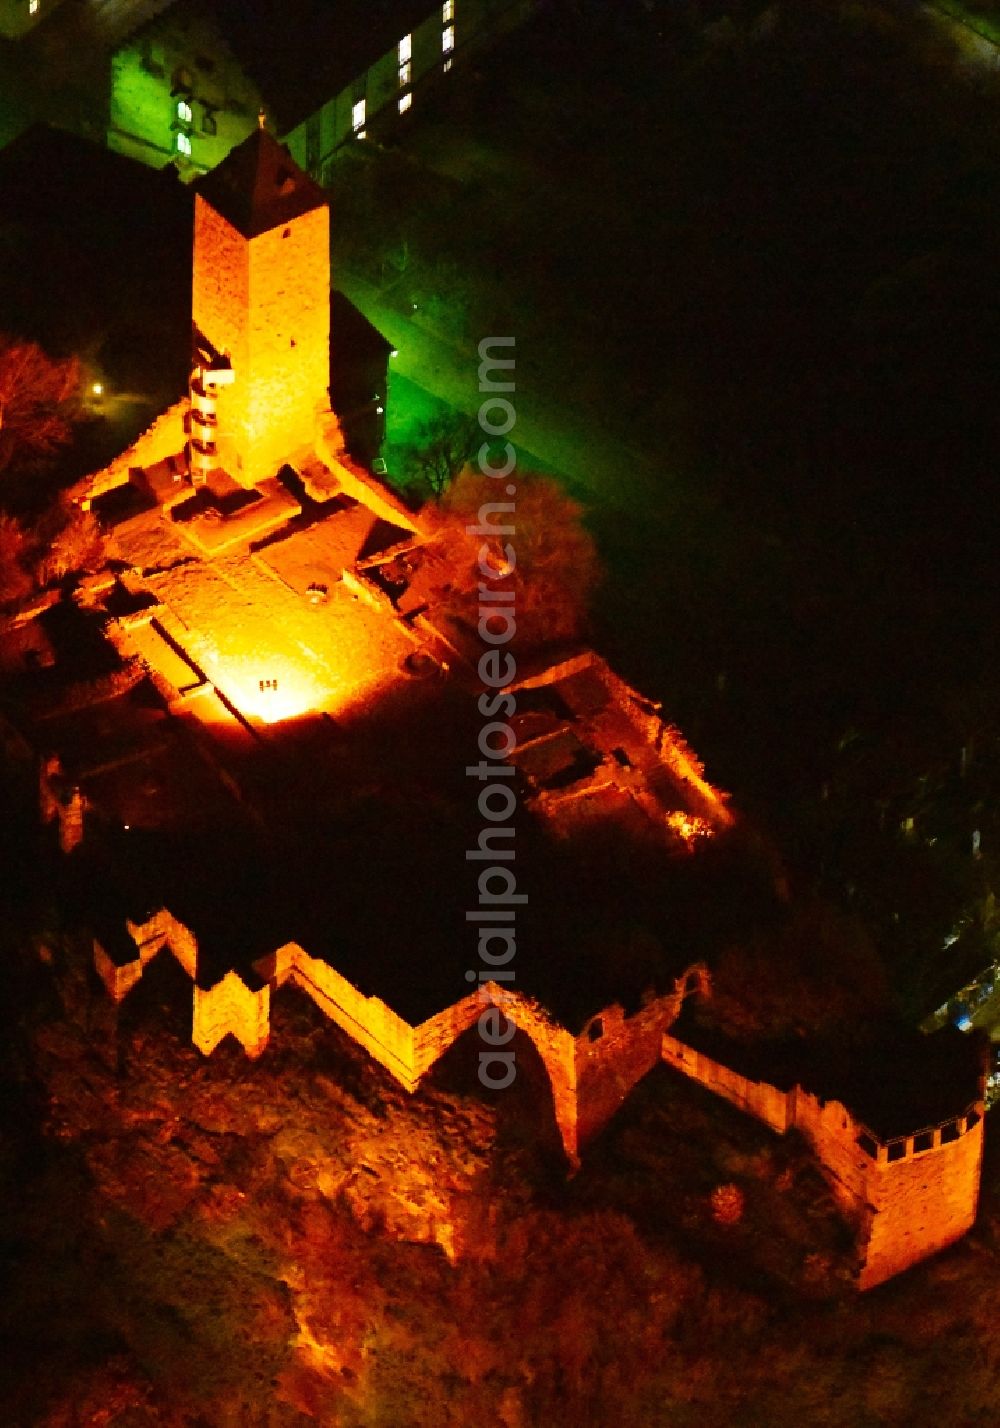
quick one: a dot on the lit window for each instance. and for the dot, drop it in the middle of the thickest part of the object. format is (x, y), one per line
(358, 117)
(405, 100)
(184, 145)
(405, 49)
(447, 11)
(448, 39)
(447, 65)
(33, 7)
(184, 111)
(405, 74)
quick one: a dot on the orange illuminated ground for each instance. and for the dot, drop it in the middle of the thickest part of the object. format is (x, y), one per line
(271, 651)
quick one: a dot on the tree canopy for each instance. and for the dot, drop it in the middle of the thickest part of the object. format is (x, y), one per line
(38, 402)
(549, 560)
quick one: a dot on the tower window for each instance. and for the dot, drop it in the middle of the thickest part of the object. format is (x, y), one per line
(406, 49)
(447, 65)
(447, 11)
(184, 145)
(405, 74)
(33, 7)
(405, 100)
(448, 39)
(184, 111)
(209, 122)
(358, 112)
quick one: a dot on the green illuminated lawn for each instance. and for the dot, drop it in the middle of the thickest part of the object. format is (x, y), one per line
(412, 407)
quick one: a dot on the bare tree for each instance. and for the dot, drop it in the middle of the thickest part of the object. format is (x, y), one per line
(70, 542)
(549, 560)
(438, 449)
(38, 402)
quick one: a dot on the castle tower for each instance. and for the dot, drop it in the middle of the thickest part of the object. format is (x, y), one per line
(260, 311)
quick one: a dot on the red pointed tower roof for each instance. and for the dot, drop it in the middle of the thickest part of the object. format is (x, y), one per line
(258, 186)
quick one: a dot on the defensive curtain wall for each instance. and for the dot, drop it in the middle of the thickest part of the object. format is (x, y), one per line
(590, 1074)
(908, 1196)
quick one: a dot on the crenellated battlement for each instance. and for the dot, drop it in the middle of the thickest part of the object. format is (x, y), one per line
(909, 1195)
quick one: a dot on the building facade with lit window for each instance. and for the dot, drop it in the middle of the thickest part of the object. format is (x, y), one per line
(17, 17)
(187, 86)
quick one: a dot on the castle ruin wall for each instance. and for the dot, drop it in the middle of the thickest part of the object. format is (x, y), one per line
(924, 1201)
(231, 1008)
(163, 438)
(614, 1052)
(589, 1078)
(908, 1197)
(62, 803)
(369, 1021)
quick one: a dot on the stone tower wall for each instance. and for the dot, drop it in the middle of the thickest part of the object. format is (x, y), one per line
(289, 330)
(220, 297)
(220, 291)
(923, 1202)
(264, 302)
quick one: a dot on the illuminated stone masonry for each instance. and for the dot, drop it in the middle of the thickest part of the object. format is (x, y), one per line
(260, 309)
(908, 1196)
(586, 737)
(590, 1074)
(247, 548)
